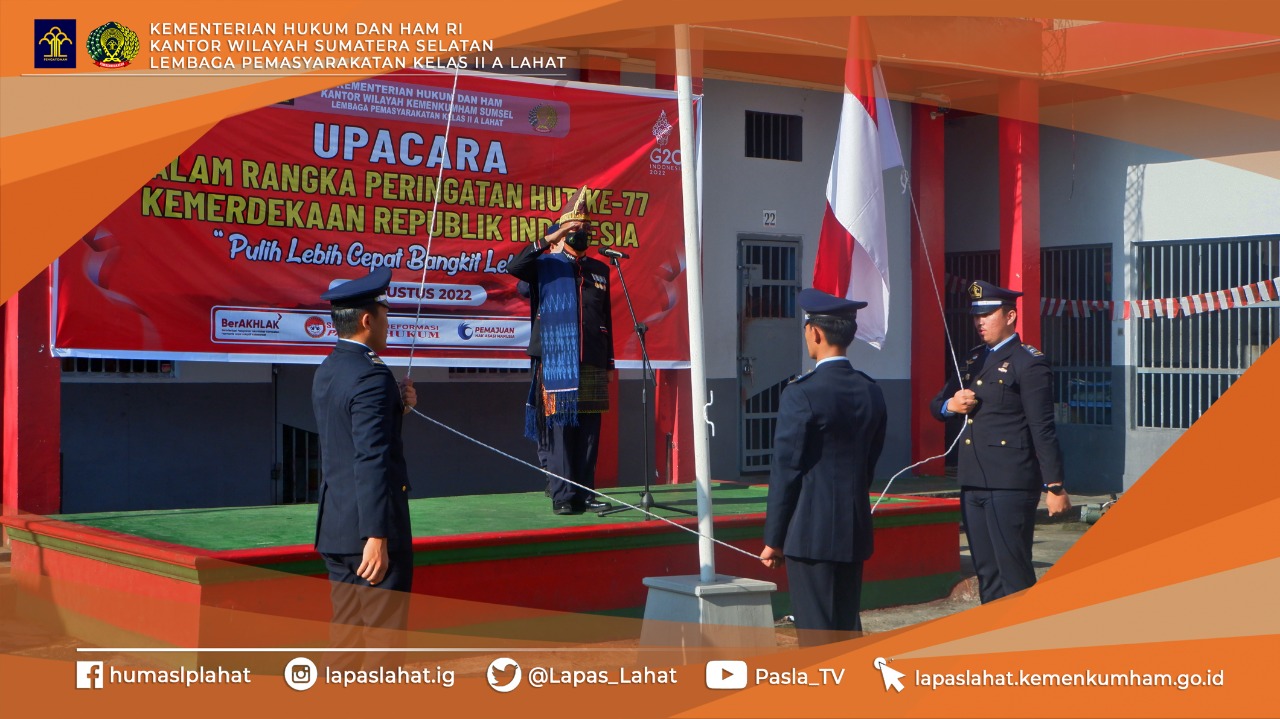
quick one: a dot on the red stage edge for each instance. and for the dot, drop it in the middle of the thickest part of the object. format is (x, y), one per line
(917, 559)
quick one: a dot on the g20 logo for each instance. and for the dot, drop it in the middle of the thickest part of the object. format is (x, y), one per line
(663, 156)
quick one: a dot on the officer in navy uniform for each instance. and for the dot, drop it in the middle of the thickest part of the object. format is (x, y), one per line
(830, 431)
(362, 529)
(1010, 450)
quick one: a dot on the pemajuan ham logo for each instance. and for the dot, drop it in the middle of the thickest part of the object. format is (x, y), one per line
(465, 331)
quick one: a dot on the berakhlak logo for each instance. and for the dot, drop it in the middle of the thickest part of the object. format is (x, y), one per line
(112, 45)
(465, 331)
(55, 44)
(89, 675)
(503, 675)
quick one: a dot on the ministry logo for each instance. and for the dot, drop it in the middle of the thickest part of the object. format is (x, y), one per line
(55, 42)
(112, 45)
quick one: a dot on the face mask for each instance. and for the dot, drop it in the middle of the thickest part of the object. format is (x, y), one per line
(579, 241)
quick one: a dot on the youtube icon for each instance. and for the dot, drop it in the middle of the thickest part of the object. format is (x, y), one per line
(726, 674)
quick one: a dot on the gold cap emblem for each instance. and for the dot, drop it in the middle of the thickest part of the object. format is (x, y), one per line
(975, 291)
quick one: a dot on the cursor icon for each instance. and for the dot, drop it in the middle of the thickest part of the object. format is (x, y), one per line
(892, 677)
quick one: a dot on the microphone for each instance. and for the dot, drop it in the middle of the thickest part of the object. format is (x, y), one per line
(615, 254)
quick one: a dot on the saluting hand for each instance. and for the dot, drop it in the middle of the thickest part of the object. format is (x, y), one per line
(555, 239)
(408, 395)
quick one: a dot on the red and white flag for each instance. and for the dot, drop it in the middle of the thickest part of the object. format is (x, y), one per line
(853, 248)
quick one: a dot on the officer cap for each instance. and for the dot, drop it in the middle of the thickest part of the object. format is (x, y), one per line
(361, 292)
(817, 302)
(985, 297)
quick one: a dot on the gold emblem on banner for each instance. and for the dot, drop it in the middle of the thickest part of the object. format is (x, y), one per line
(543, 118)
(112, 45)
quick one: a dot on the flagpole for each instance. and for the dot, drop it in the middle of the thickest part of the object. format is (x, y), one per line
(693, 276)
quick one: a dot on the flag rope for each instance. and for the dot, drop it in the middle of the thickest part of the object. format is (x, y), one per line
(431, 228)
(951, 348)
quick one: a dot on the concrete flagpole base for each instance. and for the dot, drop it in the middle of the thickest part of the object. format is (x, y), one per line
(727, 612)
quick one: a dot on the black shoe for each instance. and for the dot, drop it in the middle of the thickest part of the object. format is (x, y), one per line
(565, 508)
(595, 505)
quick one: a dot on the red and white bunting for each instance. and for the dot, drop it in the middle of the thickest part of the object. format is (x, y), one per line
(1168, 307)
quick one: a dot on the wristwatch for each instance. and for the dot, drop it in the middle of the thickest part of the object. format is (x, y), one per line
(1055, 488)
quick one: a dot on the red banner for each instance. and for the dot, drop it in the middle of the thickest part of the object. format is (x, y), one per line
(224, 254)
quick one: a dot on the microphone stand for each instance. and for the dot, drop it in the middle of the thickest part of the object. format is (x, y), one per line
(646, 497)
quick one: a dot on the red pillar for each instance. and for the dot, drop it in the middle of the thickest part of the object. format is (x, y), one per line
(928, 240)
(1020, 200)
(32, 413)
(607, 455)
(673, 413)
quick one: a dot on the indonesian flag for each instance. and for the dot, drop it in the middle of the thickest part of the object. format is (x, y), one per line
(853, 248)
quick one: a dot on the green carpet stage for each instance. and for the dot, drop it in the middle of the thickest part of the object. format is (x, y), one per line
(504, 549)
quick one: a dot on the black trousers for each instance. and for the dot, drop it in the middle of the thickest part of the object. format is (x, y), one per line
(571, 453)
(826, 599)
(368, 616)
(1000, 526)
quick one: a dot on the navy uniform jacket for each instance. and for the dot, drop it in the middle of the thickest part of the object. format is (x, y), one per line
(830, 431)
(1010, 440)
(365, 490)
(596, 338)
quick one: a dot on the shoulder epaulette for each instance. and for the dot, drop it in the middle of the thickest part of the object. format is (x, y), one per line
(801, 377)
(374, 358)
(1031, 350)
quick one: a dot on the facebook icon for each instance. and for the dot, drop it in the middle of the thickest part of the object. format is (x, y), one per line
(88, 675)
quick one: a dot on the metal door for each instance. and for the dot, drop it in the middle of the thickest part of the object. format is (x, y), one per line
(770, 343)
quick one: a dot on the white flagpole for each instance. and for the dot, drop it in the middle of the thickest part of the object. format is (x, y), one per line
(693, 276)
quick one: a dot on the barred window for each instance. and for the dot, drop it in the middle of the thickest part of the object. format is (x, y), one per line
(1078, 344)
(474, 372)
(116, 367)
(772, 136)
(1185, 362)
